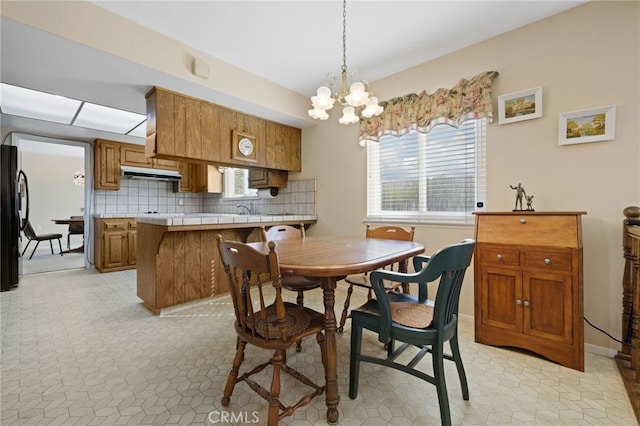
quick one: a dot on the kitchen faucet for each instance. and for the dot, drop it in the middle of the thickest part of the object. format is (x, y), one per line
(249, 210)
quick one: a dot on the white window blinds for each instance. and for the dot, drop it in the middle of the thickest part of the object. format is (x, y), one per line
(236, 184)
(433, 177)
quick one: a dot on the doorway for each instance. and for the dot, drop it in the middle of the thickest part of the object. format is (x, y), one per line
(56, 171)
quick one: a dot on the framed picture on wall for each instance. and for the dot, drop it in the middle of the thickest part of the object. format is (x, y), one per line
(519, 106)
(587, 125)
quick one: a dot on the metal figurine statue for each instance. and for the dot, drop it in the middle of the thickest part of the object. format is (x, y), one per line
(520, 194)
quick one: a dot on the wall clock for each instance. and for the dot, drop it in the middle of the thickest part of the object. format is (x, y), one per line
(244, 147)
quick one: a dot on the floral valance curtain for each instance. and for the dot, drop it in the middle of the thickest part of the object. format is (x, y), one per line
(469, 99)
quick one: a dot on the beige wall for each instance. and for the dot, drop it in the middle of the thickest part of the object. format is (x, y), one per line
(585, 57)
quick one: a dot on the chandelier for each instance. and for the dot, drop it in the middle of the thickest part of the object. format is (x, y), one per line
(78, 177)
(358, 95)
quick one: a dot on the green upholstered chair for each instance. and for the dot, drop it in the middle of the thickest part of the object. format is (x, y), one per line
(416, 321)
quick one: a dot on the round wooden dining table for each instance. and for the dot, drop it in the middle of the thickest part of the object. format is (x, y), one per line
(328, 260)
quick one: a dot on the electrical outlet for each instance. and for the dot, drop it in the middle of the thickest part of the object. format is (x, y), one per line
(180, 202)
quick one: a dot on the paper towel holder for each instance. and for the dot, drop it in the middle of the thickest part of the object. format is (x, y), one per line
(273, 191)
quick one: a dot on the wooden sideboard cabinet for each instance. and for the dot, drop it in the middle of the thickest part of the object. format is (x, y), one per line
(115, 244)
(528, 283)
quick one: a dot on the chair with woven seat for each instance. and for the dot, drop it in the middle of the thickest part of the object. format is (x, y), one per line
(254, 279)
(32, 236)
(75, 229)
(291, 282)
(387, 232)
(416, 321)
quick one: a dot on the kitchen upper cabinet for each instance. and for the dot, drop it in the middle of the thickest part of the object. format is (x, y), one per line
(268, 178)
(207, 178)
(283, 147)
(110, 155)
(106, 165)
(183, 128)
(133, 155)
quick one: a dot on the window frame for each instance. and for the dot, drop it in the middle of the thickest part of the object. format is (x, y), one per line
(422, 216)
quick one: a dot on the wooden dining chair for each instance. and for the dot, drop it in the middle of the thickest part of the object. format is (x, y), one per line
(291, 282)
(386, 232)
(416, 321)
(264, 320)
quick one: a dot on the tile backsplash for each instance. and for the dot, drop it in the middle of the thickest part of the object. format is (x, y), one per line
(141, 196)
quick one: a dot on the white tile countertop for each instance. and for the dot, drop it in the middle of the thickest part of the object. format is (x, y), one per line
(183, 219)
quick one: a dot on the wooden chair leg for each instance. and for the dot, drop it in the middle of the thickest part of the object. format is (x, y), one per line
(274, 393)
(233, 374)
(60, 245)
(51, 244)
(300, 302)
(345, 310)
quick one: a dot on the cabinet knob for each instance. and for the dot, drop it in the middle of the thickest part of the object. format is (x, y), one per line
(526, 303)
(523, 220)
(499, 257)
(518, 302)
(547, 261)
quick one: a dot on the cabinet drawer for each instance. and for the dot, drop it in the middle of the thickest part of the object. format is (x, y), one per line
(500, 256)
(113, 225)
(548, 260)
(545, 230)
(133, 224)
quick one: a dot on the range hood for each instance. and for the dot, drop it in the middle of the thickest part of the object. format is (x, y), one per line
(144, 173)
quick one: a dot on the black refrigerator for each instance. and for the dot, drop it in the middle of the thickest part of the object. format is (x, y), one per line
(14, 210)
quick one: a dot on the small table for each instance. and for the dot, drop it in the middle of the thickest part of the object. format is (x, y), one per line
(71, 221)
(328, 260)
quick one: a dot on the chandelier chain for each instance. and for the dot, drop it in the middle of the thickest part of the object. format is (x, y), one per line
(344, 36)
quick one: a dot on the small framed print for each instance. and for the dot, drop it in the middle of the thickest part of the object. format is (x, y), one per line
(519, 106)
(244, 146)
(587, 125)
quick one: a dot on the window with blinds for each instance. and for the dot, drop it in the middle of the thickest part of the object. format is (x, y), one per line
(236, 184)
(433, 177)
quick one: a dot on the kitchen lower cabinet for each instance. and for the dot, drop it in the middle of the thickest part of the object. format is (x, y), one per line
(115, 244)
(528, 283)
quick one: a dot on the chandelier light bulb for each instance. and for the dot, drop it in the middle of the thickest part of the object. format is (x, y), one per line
(357, 95)
(348, 116)
(318, 113)
(372, 109)
(323, 99)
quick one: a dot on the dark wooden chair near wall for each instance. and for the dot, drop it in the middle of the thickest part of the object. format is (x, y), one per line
(75, 229)
(291, 282)
(32, 236)
(387, 232)
(416, 321)
(264, 320)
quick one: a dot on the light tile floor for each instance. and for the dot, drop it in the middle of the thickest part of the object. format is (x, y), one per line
(79, 348)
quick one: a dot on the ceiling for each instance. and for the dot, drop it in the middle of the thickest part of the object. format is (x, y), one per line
(292, 43)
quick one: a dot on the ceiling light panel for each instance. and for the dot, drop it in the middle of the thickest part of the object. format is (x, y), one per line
(37, 105)
(108, 119)
(140, 131)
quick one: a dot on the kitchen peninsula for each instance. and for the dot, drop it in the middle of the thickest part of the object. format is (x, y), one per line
(177, 257)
